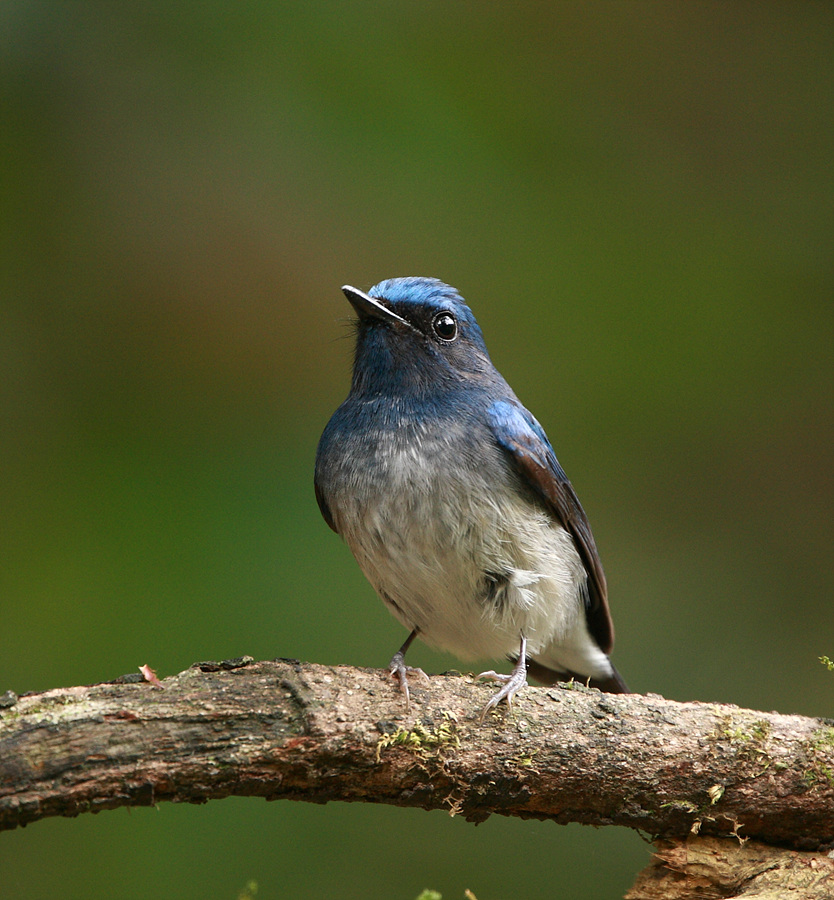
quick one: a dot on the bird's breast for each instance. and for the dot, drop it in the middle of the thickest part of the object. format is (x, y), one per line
(405, 480)
(444, 531)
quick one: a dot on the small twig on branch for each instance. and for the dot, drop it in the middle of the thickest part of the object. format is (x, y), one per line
(284, 729)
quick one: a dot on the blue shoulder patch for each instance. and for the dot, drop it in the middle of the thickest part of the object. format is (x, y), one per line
(518, 432)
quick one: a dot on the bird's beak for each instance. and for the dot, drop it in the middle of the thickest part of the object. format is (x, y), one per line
(370, 307)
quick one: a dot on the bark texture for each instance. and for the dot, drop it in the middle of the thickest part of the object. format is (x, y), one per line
(704, 868)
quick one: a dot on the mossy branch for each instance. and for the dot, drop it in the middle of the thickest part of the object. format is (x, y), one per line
(284, 729)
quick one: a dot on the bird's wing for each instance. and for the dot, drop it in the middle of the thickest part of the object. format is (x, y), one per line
(324, 507)
(521, 436)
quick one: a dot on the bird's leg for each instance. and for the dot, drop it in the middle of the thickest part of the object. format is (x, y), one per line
(401, 671)
(513, 682)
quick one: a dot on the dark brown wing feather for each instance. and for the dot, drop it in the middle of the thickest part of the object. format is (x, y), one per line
(524, 439)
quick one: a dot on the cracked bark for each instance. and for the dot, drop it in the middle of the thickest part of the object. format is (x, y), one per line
(284, 729)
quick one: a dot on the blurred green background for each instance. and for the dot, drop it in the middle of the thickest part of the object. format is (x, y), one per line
(636, 200)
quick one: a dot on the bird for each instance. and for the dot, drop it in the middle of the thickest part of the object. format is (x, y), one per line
(449, 495)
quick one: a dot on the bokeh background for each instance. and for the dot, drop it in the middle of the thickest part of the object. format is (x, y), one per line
(636, 200)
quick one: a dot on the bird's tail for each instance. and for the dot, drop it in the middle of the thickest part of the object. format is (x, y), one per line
(612, 685)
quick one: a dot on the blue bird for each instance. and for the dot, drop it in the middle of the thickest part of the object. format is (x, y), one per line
(451, 499)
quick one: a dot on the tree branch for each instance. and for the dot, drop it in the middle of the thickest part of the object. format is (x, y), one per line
(700, 868)
(284, 729)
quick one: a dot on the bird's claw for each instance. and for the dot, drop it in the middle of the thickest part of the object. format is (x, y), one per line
(401, 672)
(513, 683)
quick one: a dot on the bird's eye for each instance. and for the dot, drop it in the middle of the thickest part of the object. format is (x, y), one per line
(445, 326)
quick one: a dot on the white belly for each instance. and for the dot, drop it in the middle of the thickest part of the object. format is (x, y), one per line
(471, 567)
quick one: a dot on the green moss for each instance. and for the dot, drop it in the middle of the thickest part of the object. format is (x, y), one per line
(757, 732)
(823, 739)
(525, 758)
(748, 739)
(820, 751)
(423, 740)
(686, 806)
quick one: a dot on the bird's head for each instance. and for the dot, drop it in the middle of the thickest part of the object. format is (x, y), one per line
(414, 333)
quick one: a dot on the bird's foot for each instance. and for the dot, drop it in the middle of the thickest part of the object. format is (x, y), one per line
(513, 683)
(401, 672)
